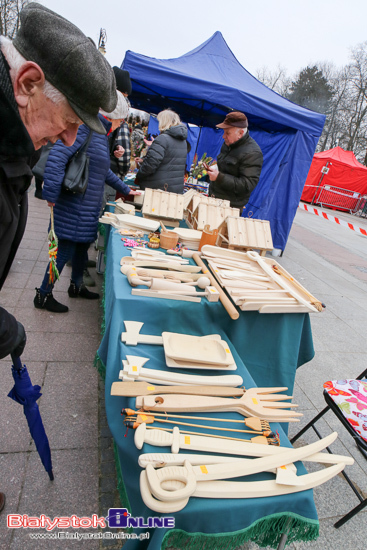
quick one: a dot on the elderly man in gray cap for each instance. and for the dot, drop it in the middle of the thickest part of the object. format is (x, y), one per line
(52, 79)
(239, 162)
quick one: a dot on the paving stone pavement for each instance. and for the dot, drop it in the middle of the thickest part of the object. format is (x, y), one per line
(329, 260)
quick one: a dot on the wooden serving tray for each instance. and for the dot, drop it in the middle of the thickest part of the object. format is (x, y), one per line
(196, 349)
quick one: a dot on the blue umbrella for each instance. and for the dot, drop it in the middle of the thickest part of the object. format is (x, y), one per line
(26, 394)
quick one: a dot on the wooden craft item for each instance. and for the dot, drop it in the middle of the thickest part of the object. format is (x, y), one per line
(132, 336)
(245, 233)
(134, 421)
(160, 273)
(253, 403)
(209, 236)
(162, 204)
(226, 302)
(190, 474)
(132, 370)
(184, 252)
(285, 475)
(172, 363)
(136, 222)
(196, 349)
(235, 489)
(166, 296)
(212, 215)
(168, 239)
(224, 253)
(256, 424)
(134, 389)
(280, 280)
(128, 260)
(283, 309)
(177, 441)
(149, 254)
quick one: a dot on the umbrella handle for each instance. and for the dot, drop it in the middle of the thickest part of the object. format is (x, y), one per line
(17, 363)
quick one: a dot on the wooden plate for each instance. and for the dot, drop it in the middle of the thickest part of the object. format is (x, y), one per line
(196, 349)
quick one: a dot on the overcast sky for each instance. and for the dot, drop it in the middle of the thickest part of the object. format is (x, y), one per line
(290, 33)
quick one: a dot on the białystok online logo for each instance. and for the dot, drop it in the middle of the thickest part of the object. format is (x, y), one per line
(118, 518)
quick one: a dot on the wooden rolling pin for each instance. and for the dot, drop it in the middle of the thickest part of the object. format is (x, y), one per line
(135, 389)
(226, 302)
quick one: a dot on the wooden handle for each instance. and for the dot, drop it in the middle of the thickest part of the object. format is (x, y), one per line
(134, 389)
(163, 226)
(226, 302)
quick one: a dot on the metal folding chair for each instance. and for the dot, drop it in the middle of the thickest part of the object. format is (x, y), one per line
(360, 442)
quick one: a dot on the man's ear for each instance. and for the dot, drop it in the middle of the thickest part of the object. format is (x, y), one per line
(29, 79)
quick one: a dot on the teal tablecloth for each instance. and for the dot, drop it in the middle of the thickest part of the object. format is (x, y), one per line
(271, 346)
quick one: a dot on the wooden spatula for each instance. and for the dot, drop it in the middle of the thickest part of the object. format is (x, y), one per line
(134, 389)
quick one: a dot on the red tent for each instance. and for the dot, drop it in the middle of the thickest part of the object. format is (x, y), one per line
(343, 184)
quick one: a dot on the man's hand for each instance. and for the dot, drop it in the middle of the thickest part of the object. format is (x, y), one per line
(50, 204)
(119, 151)
(213, 173)
(134, 192)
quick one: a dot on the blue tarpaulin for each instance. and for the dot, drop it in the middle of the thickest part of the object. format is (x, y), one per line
(201, 139)
(202, 86)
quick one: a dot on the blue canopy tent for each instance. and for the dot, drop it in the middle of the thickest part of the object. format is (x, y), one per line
(203, 86)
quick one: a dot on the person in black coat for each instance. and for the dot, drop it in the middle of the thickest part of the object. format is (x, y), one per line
(163, 167)
(239, 163)
(33, 111)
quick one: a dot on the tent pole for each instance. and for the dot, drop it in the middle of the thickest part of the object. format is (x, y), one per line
(318, 185)
(197, 141)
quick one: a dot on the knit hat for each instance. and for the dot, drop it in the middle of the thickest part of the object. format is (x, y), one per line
(121, 110)
(123, 82)
(234, 119)
(69, 61)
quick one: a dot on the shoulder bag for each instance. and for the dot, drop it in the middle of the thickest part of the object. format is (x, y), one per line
(77, 170)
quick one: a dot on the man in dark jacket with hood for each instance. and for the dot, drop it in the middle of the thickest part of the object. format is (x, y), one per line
(41, 100)
(239, 162)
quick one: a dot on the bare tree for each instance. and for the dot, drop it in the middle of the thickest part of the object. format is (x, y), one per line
(276, 80)
(9, 16)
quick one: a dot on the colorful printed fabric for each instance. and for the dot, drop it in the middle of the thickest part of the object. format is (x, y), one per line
(351, 398)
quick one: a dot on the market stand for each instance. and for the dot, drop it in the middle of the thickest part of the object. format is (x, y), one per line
(267, 349)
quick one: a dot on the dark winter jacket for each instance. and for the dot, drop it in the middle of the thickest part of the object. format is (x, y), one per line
(16, 148)
(165, 162)
(76, 216)
(239, 168)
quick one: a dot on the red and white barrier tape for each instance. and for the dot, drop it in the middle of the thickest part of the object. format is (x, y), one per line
(323, 214)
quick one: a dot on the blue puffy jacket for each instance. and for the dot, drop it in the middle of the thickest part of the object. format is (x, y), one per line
(76, 216)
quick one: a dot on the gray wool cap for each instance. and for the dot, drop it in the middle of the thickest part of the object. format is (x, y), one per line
(70, 62)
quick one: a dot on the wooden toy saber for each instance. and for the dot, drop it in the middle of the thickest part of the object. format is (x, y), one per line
(178, 441)
(190, 474)
(235, 489)
(255, 402)
(286, 475)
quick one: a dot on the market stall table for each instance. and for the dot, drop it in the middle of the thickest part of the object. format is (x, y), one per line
(267, 350)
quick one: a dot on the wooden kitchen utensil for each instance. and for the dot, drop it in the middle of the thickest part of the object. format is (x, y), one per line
(134, 389)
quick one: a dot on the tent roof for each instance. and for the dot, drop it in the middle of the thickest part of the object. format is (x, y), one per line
(338, 154)
(206, 83)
